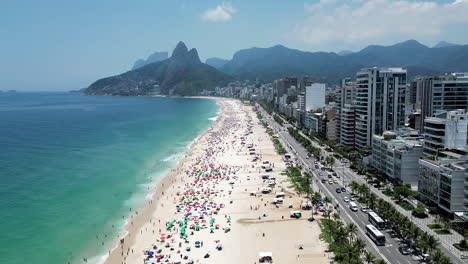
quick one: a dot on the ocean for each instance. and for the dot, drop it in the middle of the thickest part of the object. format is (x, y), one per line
(71, 166)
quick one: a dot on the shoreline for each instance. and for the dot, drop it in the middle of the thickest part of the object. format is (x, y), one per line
(149, 204)
(235, 186)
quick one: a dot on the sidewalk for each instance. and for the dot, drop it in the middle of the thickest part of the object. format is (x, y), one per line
(446, 241)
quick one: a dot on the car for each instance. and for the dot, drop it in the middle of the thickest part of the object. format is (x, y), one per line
(316, 166)
(352, 199)
(346, 199)
(330, 182)
(337, 176)
(324, 181)
(343, 189)
(334, 174)
(364, 209)
(329, 176)
(338, 190)
(403, 250)
(335, 181)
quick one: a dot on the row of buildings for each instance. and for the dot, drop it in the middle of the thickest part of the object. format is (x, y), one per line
(415, 130)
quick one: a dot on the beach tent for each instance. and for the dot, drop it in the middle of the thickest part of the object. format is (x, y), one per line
(280, 194)
(265, 257)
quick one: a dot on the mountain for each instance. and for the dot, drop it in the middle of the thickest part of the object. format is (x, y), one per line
(216, 62)
(444, 44)
(275, 62)
(345, 52)
(155, 57)
(181, 74)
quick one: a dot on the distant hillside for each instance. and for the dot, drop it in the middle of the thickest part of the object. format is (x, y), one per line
(345, 52)
(216, 62)
(444, 44)
(272, 63)
(182, 74)
(155, 57)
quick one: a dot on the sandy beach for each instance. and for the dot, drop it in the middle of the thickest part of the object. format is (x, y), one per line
(214, 196)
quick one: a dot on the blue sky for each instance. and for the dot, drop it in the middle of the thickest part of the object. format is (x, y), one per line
(64, 45)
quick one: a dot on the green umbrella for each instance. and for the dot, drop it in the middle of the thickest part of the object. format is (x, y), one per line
(229, 218)
(197, 227)
(212, 229)
(212, 219)
(185, 235)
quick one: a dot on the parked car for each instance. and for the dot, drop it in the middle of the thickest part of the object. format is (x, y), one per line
(352, 199)
(338, 190)
(403, 250)
(346, 199)
(334, 174)
(343, 189)
(364, 209)
(330, 182)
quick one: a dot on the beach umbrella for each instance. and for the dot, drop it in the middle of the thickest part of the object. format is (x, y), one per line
(229, 218)
(212, 219)
(211, 229)
(150, 253)
(197, 242)
(185, 235)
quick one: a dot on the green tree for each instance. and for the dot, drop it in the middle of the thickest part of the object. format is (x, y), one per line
(369, 258)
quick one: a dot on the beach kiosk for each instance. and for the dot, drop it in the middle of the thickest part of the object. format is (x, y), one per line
(265, 257)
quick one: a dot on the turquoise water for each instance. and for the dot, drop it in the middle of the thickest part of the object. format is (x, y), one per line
(71, 166)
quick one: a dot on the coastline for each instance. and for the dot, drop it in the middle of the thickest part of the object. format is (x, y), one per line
(142, 215)
(258, 225)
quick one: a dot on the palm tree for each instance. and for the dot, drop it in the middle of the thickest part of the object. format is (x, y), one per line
(380, 261)
(359, 245)
(354, 186)
(327, 200)
(352, 230)
(432, 243)
(336, 216)
(369, 258)
(371, 200)
(444, 260)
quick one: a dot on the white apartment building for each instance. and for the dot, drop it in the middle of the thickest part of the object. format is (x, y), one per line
(380, 102)
(396, 154)
(314, 96)
(445, 130)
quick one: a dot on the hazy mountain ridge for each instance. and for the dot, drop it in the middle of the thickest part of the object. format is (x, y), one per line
(216, 62)
(181, 74)
(155, 57)
(275, 62)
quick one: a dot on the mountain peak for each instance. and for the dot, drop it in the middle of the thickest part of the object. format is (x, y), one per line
(443, 44)
(410, 43)
(180, 50)
(192, 56)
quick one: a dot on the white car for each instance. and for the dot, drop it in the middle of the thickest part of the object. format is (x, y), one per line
(352, 199)
(346, 199)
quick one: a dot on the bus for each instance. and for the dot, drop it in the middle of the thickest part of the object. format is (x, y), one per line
(353, 206)
(375, 235)
(376, 220)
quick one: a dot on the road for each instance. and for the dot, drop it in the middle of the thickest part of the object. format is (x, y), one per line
(389, 252)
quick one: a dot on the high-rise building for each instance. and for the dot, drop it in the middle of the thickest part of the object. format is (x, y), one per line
(345, 113)
(443, 166)
(314, 96)
(380, 102)
(396, 154)
(306, 81)
(445, 130)
(449, 92)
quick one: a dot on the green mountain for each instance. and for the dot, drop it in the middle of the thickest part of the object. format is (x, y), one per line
(181, 74)
(275, 62)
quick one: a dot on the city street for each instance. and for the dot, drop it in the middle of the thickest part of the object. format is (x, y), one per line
(389, 252)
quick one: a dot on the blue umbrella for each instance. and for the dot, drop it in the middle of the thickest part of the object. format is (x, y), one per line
(197, 242)
(150, 253)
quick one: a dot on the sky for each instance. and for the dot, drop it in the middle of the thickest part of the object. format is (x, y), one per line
(64, 45)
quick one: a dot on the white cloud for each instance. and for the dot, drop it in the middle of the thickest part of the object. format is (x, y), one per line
(373, 20)
(222, 12)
